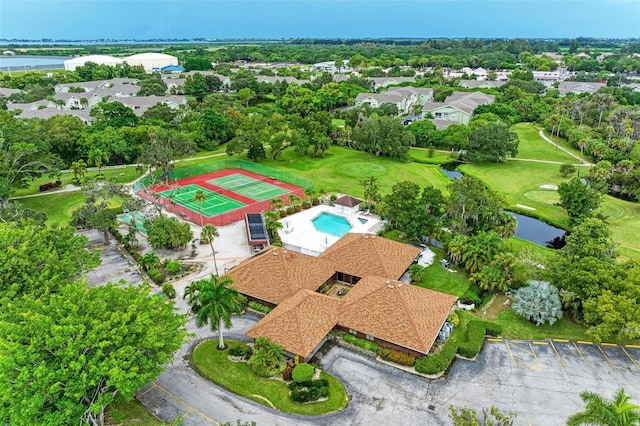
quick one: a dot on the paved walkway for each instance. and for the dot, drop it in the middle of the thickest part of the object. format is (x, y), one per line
(580, 159)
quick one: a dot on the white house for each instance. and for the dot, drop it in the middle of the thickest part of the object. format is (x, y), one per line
(151, 61)
(347, 205)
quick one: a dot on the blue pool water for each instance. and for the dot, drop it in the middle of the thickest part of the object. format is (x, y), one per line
(331, 224)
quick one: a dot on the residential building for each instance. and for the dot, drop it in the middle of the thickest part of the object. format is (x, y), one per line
(139, 104)
(481, 84)
(566, 87)
(382, 82)
(404, 98)
(458, 107)
(347, 205)
(72, 64)
(46, 113)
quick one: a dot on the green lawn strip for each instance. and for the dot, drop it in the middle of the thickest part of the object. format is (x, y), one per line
(437, 278)
(336, 122)
(121, 175)
(534, 147)
(623, 220)
(519, 182)
(421, 155)
(562, 142)
(130, 413)
(239, 378)
(516, 327)
(59, 206)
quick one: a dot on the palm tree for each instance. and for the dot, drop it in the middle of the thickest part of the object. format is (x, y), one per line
(213, 301)
(200, 197)
(276, 203)
(97, 157)
(371, 190)
(209, 232)
(149, 261)
(293, 199)
(605, 412)
(79, 169)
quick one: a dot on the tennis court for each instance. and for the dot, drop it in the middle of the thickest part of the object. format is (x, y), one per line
(255, 189)
(134, 217)
(214, 204)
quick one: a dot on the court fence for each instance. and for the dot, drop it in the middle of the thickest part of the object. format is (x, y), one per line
(142, 188)
(230, 163)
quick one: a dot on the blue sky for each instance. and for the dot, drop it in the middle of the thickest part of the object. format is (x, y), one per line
(92, 19)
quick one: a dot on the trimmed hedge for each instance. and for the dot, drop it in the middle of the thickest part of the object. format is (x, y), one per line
(303, 372)
(361, 343)
(156, 276)
(397, 357)
(475, 338)
(492, 328)
(257, 306)
(439, 362)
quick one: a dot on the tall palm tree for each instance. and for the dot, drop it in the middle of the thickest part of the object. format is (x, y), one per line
(98, 157)
(601, 411)
(200, 197)
(149, 261)
(209, 232)
(213, 301)
(371, 190)
(276, 203)
(79, 169)
(293, 199)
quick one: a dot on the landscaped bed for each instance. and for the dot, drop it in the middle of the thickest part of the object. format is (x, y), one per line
(239, 378)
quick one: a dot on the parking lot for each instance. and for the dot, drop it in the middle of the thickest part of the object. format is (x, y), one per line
(540, 380)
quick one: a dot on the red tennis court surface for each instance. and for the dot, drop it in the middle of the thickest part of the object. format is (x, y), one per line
(222, 205)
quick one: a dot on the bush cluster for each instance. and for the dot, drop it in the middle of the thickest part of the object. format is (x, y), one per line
(156, 275)
(361, 343)
(172, 266)
(397, 357)
(439, 362)
(492, 328)
(241, 351)
(303, 372)
(168, 290)
(475, 338)
(309, 391)
(257, 306)
(49, 185)
(453, 319)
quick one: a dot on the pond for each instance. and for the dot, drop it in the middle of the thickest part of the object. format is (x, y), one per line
(530, 229)
(535, 230)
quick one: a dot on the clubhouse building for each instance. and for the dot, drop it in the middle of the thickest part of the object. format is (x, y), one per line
(352, 286)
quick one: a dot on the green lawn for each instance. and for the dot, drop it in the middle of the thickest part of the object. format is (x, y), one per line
(120, 175)
(239, 378)
(435, 277)
(534, 147)
(516, 327)
(623, 220)
(421, 155)
(336, 122)
(58, 206)
(130, 413)
(519, 182)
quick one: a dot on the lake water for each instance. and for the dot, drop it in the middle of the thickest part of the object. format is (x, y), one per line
(528, 228)
(22, 63)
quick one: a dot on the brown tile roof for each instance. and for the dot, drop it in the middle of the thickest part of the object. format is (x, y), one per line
(276, 273)
(399, 313)
(367, 254)
(299, 323)
(348, 200)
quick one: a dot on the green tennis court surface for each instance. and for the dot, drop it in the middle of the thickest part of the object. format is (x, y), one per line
(249, 187)
(215, 204)
(136, 217)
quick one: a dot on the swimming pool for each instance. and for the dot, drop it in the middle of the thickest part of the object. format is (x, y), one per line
(331, 224)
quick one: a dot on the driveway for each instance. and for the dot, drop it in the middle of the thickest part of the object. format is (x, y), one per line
(540, 380)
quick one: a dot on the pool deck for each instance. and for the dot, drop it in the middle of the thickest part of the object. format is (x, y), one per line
(299, 234)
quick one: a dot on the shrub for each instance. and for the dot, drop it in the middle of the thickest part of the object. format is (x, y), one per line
(267, 359)
(475, 338)
(439, 362)
(361, 343)
(49, 185)
(242, 351)
(539, 302)
(453, 319)
(169, 290)
(397, 357)
(291, 210)
(257, 306)
(283, 214)
(306, 205)
(303, 372)
(297, 208)
(156, 276)
(492, 329)
(172, 266)
(309, 391)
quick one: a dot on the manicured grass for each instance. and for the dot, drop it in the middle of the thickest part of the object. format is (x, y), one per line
(239, 378)
(342, 169)
(59, 206)
(338, 122)
(437, 278)
(516, 327)
(421, 155)
(566, 145)
(519, 182)
(534, 147)
(623, 220)
(130, 413)
(120, 175)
